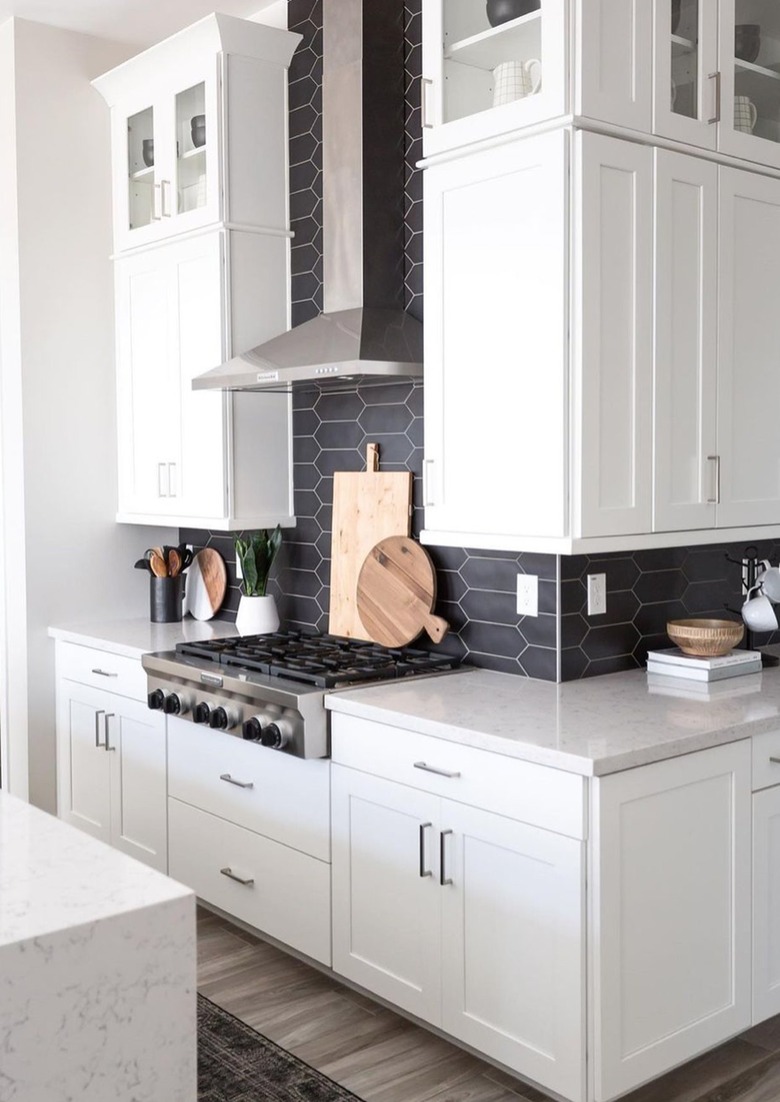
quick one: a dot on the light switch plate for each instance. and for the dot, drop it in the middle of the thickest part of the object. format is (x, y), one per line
(527, 595)
(597, 594)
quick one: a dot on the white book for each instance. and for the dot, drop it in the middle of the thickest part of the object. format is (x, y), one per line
(682, 689)
(674, 656)
(693, 673)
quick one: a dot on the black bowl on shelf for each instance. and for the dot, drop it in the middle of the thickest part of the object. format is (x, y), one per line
(747, 41)
(147, 151)
(198, 130)
(676, 11)
(501, 11)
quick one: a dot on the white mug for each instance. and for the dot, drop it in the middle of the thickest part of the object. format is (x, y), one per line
(758, 612)
(745, 114)
(769, 581)
(514, 80)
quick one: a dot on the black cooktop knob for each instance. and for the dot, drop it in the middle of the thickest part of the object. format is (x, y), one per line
(156, 700)
(202, 713)
(172, 705)
(274, 737)
(218, 719)
(253, 730)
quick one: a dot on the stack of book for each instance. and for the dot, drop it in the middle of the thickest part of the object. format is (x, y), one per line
(674, 663)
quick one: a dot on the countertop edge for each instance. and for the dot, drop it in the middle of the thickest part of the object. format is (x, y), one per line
(84, 639)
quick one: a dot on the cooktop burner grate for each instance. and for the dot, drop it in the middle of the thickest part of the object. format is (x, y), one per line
(324, 661)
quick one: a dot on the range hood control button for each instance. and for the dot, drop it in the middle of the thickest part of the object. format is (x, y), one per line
(202, 713)
(156, 700)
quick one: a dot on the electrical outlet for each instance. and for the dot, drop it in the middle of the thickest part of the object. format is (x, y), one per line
(527, 595)
(597, 594)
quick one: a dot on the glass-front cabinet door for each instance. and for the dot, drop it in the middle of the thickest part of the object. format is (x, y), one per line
(168, 172)
(489, 68)
(688, 99)
(750, 67)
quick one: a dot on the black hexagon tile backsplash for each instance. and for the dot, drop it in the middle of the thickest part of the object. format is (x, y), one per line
(476, 589)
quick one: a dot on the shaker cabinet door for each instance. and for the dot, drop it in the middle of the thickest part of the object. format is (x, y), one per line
(614, 62)
(135, 739)
(83, 766)
(496, 342)
(766, 904)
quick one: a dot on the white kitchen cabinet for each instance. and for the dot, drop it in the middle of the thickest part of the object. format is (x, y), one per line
(766, 904)
(593, 55)
(671, 904)
(111, 759)
(171, 176)
(200, 457)
(470, 920)
(532, 435)
(688, 89)
(754, 78)
(686, 353)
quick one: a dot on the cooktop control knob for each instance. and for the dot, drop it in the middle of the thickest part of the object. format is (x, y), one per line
(174, 705)
(253, 729)
(156, 700)
(202, 713)
(277, 735)
(220, 720)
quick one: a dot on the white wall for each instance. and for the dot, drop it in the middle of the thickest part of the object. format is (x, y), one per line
(66, 559)
(274, 14)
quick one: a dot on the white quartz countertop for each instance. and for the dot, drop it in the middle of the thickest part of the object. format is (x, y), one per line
(134, 638)
(593, 727)
(55, 878)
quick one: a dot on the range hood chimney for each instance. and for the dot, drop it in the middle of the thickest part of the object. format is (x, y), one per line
(364, 331)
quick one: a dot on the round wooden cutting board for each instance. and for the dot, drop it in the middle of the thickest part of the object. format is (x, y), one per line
(396, 592)
(206, 584)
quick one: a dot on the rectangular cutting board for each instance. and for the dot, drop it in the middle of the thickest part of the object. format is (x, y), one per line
(368, 506)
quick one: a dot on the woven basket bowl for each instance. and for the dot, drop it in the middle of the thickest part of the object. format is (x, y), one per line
(705, 638)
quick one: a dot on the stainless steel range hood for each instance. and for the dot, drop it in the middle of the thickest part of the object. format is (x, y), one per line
(364, 332)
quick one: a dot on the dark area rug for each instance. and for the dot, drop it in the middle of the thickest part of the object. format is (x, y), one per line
(236, 1064)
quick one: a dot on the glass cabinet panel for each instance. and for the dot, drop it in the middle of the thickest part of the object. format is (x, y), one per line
(140, 169)
(492, 54)
(191, 149)
(684, 45)
(756, 66)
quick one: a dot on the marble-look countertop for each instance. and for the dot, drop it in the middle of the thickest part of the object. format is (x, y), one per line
(54, 877)
(597, 726)
(134, 638)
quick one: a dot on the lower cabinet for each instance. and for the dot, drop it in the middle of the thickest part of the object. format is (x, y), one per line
(766, 904)
(111, 769)
(467, 919)
(670, 938)
(250, 833)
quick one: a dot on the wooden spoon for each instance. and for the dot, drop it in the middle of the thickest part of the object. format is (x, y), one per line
(174, 562)
(157, 563)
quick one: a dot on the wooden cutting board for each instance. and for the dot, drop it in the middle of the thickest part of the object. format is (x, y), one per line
(206, 584)
(396, 593)
(367, 507)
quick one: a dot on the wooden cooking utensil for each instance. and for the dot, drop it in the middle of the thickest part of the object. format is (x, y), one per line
(174, 562)
(396, 592)
(158, 565)
(206, 584)
(367, 507)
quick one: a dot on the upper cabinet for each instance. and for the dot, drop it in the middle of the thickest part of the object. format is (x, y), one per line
(750, 80)
(199, 132)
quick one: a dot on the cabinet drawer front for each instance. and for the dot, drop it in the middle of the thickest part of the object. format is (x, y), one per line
(282, 797)
(765, 771)
(521, 790)
(114, 672)
(289, 897)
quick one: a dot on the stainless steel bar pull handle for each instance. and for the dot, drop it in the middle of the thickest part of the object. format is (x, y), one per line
(172, 483)
(428, 498)
(109, 716)
(423, 871)
(433, 769)
(160, 491)
(426, 85)
(442, 878)
(716, 116)
(157, 203)
(98, 743)
(248, 882)
(238, 784)
(775, 761)
(105, 673)
(716, 460)
(165, 190)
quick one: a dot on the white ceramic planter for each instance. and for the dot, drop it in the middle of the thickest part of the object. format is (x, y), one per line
(257, 615)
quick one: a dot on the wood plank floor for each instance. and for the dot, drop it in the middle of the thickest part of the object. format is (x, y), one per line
(381, 1057)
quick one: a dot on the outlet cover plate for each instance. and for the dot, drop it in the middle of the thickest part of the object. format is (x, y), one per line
(527, 595)
(597, 594)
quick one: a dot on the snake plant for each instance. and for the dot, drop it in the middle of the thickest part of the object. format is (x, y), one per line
(256, 554)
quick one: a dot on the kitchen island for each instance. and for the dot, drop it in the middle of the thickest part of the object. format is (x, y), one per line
(97, 969)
